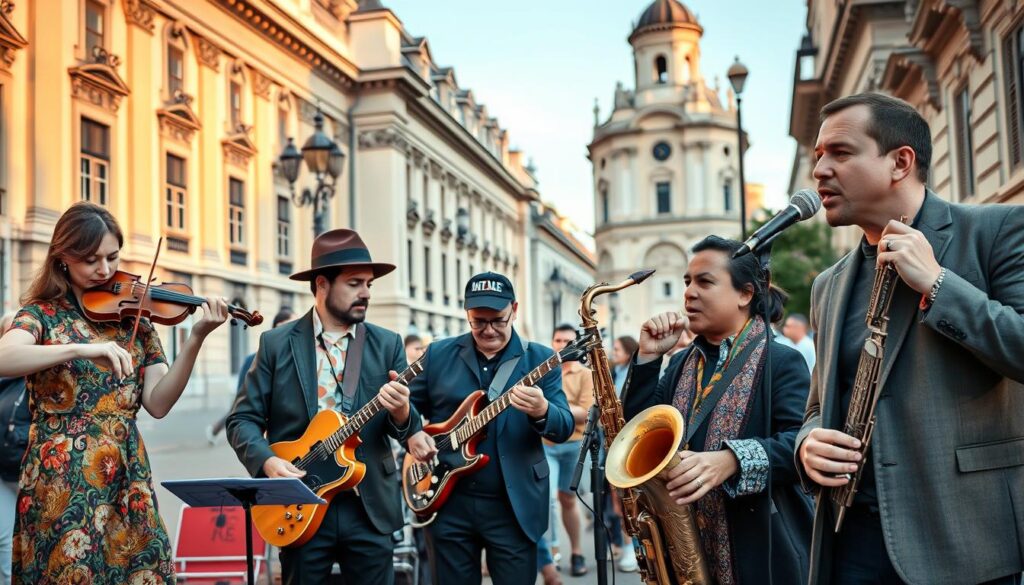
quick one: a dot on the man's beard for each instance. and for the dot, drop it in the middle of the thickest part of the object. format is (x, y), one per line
(349, 316)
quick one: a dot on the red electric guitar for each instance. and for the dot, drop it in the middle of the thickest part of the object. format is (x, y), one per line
(426, 486)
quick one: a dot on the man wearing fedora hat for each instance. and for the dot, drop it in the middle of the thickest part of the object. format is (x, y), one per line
(502, 507)
(331, 358)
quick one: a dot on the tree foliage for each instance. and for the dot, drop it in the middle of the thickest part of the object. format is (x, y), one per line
(798, 256)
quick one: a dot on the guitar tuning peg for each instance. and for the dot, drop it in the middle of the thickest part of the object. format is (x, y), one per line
(234, 322)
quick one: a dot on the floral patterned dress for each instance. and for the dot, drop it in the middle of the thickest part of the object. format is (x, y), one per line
(86, 508)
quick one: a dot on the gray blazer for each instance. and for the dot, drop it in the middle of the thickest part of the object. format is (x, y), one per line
(279, 399)
(948, 447)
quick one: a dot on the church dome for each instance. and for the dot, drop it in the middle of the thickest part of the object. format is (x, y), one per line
(665, 15)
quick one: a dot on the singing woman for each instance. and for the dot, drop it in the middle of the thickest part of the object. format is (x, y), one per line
(86, 511)
(733, 446)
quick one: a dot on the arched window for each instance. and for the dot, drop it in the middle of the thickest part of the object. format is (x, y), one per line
(604, 205)
(177, 48)
(661, 69)
(727, 195)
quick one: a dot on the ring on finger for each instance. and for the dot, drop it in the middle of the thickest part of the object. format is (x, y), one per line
(700, 483)
(888, 245)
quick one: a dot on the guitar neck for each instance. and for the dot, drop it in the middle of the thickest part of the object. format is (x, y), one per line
(358, 420)
(505, 400)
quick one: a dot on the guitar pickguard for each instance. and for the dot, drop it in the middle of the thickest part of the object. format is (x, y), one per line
(321, 472)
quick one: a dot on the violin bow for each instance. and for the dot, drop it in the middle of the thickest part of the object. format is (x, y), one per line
(145, 291)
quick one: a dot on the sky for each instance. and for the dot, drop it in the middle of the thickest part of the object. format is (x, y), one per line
(539, 65)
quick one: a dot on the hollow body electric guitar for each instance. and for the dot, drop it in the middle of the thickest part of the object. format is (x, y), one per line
(427, 485)
(326, 452)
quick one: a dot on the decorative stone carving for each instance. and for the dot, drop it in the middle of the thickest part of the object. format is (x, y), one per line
(486, 252)
(207, 52)
(238, 147)
(446, 230)
(429, 224)
(307, 111)
(436, 170)
(384, 138)
(419, 158)
(177, 120)
(141, 13)
(10, 39)
(412, 214)
(98, 82)
(261, 84)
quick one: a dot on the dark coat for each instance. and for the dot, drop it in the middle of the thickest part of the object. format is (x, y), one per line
(452, 374)
(279, 398)
(948, 445)
(748, 516)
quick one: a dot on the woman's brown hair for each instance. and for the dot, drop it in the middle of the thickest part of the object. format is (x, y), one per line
(77, 235)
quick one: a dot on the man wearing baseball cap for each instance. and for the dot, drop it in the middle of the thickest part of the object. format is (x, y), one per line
(332, 359)
(503, 507)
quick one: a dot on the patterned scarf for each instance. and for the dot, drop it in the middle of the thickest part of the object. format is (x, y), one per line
(725, 422)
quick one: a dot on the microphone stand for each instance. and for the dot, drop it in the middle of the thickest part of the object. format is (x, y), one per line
(592, 442)
(764, 254)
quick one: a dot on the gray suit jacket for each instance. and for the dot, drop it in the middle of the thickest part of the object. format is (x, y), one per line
(279, 399)
(948, 447)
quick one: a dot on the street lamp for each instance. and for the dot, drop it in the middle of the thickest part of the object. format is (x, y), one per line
(737, 77)
(324, 159)
(555, 289)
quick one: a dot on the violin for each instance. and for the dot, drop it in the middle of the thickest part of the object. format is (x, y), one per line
(126, 295)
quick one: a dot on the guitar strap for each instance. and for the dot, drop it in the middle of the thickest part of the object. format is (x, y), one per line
(503, 374)
(353, 363)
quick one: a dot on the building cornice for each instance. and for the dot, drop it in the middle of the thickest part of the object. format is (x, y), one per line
(601, 138)
(543, 222)
(658, 222)
(906, 70)
(809, 95)
(430, 113)
(281, 29)
(936, 21)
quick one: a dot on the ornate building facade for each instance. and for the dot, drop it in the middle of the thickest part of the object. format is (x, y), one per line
(173, 114)
(959, 62)
(665, 164)
(563, 267)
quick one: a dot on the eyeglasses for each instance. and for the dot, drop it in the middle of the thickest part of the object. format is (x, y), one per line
(496, 324)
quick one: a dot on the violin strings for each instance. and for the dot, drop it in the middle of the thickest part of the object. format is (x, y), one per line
(170, 295)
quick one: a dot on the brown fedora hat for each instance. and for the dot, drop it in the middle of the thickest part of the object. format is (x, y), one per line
(339, 248)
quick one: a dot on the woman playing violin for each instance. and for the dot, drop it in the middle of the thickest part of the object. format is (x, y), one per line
(86, 507)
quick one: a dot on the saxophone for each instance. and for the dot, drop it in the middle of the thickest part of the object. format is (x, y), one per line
(860, 419)
(670, 550)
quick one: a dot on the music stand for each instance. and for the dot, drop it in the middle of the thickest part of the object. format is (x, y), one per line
(235, 491)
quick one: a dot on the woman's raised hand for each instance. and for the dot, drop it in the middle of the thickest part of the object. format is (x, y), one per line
(659, 334)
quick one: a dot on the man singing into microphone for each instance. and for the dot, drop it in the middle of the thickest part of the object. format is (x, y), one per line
(941, 495)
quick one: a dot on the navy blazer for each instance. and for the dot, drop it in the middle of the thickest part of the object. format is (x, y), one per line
(279, 399)
(748, 515)
(452, 373)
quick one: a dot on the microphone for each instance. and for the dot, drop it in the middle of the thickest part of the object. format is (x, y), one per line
(802, 206)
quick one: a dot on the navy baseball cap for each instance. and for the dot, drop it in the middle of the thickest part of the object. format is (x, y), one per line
(489, 290)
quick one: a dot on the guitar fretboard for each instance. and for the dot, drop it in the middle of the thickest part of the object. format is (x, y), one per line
(495, 408)
(369, 410)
